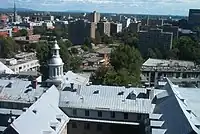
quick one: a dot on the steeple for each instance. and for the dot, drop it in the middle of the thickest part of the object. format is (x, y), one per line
(55, 66)
(14, 12)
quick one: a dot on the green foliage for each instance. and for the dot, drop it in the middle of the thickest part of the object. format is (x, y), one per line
(85, 48)
(186, 49)
(22, 32)
(8, 47)
(128, 38)
(126, 62)
(43, 50)
(75, 64)
(43, 55)
(107, 40)
(74, 50)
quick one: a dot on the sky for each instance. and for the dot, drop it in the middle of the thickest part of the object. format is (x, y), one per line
(162, 7)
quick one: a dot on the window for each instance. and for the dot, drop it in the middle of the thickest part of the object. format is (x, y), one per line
(139, 117)
(74, 112)
(87, 126)
(87, 113)
(99, 114)
(99, 127)
(74, 125)
(112, 115)
(125, 115)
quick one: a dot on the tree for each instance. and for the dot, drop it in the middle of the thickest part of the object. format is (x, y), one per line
(75, 64)
(8, 47)
(22, 32)
(74, 50)
(125, 67)
(43, 55)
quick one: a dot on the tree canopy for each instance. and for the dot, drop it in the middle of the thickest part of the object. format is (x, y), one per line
(8, 47)
(125, 68)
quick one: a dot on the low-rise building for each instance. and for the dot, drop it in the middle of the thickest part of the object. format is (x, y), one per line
(22, 62)
(155, 69)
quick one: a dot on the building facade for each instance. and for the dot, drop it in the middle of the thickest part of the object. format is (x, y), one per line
(154, 38)
(104, 28)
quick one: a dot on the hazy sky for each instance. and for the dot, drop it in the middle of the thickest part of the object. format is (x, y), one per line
(172, 7)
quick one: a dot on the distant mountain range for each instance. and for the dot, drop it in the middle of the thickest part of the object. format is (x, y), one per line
(18, 9)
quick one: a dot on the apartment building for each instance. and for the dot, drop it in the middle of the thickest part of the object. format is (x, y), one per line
(104, 28)
(154, 38)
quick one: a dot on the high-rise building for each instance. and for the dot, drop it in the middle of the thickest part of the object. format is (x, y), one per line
(154, 38)
(94, 17)
(134, 27)
(172, 29)
(104, 28)
(194, 17)
(152, 22)
(115, 28)
(80, 30)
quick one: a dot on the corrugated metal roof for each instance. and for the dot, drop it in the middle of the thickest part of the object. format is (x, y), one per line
(5, 69)
(20, 91)
(41, 115)
(106, 98)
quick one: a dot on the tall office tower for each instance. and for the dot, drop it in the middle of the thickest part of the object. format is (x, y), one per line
(194, 17)
(154, 38)
(94, 17)
(104, 28)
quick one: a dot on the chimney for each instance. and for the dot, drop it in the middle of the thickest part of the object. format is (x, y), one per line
(72, 86)
(34, 84)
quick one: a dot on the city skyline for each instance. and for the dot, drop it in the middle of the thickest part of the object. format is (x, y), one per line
(160, 7)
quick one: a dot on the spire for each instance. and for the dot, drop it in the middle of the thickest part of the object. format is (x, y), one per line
(55, 50)
(14, 12)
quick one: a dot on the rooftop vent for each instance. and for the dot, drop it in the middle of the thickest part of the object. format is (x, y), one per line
(72, 86)
(24, 109)
(131, 96)
(9, 85)
(34, 111)
(121, 93)
(189, 110)
(53, 125)
(28, 90)
(59, 117)
(96, 92)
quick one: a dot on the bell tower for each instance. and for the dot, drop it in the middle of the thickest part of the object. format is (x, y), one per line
(55, 66)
